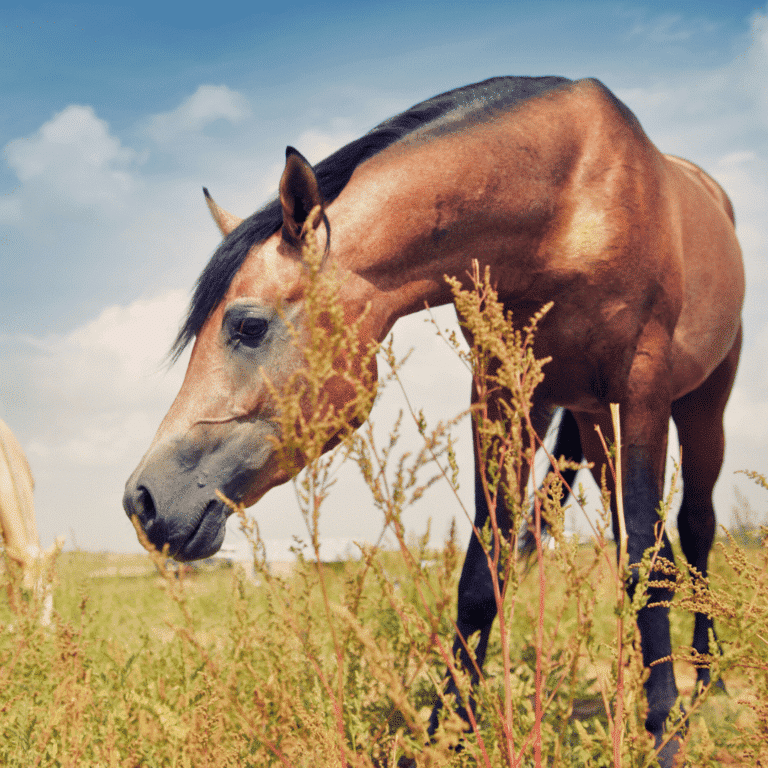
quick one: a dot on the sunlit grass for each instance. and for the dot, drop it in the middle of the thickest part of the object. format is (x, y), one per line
(340, 664)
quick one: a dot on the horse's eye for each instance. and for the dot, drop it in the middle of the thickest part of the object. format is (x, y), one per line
(251, 330)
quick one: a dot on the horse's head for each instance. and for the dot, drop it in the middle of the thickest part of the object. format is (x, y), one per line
(223, 429)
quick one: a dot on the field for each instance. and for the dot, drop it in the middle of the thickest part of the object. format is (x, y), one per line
(209, 668)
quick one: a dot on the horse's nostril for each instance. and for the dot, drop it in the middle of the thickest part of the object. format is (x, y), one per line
(139, 502)
(145, 504)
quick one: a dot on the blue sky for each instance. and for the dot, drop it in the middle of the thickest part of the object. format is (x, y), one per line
(113, 117)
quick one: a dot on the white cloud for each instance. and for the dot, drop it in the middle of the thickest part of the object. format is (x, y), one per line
(206, 105)
(696, 109)
(666, 28)
(757, 63)
(85, 404)
(746, 416)
(10, 210)
(316, 145)
(107, 382)
(663, 29)
(744, 175)
(72, 162)
(138, 335)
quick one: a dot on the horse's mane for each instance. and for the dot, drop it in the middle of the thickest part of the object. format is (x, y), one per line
(333, 173)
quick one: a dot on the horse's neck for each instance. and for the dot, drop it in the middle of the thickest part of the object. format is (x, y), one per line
(418, 213)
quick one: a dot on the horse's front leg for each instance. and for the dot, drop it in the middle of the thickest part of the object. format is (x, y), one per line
(643, 453)
(477, 609)
(641, 502)
(477, 599)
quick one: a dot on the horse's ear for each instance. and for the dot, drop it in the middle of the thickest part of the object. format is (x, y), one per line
(299, 195)
(226, 222)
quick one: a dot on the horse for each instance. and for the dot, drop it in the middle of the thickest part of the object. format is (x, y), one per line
(18, 525)
(553, 185)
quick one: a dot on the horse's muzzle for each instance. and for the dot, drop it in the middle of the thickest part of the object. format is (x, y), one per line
(173, 492)
(191, 533)
(174, 500)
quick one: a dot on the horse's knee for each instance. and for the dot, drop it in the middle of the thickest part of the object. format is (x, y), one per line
(476, 607)
(696, 524)
(476, 600)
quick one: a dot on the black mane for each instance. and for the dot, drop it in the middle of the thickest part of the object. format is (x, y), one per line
(334, 172)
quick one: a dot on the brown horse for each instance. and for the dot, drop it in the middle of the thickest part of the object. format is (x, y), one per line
(554, 186)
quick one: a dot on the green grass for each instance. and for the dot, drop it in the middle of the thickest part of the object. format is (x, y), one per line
(213, 670)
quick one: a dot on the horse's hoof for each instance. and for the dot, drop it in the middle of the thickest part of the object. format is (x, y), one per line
(670, 756)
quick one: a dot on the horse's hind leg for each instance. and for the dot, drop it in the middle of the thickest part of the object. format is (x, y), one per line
(698, 417)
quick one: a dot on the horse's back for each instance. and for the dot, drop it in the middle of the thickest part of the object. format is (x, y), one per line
(494, 94)
(713, 290)
(700, 176)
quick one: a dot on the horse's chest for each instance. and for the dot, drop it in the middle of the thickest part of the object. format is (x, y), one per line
(590, 360)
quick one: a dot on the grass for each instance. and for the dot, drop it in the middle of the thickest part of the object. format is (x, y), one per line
(341, 664)
(145, 670)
